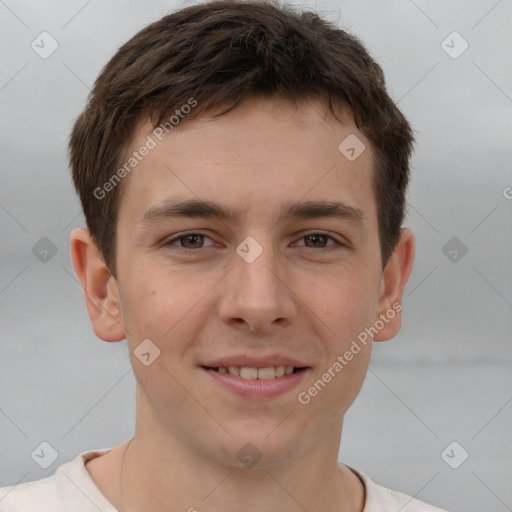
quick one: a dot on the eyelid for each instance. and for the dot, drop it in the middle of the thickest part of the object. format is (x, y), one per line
(177, 236)
(338, 242)
(302, 235)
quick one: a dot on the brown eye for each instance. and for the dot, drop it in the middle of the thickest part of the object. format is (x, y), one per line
(320, 241)
(189, 241)
(316, 240)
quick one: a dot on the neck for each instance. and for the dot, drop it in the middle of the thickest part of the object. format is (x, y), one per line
(154, 478)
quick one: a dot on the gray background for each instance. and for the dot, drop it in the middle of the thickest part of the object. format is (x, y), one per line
(446, 377)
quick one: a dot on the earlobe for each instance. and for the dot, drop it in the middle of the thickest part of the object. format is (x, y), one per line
(99, 286)
(394, 279)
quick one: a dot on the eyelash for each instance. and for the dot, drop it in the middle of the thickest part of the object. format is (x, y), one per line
(169, 242)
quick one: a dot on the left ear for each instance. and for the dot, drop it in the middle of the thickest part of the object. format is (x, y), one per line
(393, 281)
(100, 287)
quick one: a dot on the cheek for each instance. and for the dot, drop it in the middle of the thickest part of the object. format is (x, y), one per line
(346, 301)
(161, 302)
(354, 363)
(336, 385)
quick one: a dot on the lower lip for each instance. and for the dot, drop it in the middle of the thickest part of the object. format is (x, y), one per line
(258, 388)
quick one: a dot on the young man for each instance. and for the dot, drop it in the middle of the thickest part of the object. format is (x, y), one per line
(243, 174)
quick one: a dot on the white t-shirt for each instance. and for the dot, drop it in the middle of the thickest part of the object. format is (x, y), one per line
(71, 489)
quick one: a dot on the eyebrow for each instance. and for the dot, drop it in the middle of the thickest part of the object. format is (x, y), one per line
(197, 208)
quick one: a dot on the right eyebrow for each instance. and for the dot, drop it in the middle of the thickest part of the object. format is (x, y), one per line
(196, 208)
(172, 208)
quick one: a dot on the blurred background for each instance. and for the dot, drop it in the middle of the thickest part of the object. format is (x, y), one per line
(434, 416)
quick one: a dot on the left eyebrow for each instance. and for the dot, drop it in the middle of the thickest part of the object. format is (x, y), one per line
(323, 209)
(174, 208)
(196, 208)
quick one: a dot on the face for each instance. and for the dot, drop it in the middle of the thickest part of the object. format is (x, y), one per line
(288, 275)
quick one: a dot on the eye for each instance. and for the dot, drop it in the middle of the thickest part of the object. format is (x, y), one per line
(189, 241)
(194, 240)
(319, 240)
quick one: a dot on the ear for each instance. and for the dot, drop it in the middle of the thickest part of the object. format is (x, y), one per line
(99, 285)
(393, 281)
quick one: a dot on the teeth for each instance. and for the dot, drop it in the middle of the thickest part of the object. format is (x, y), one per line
(249, 373)
(234, 370)
(257, 373)
(280, 371)
(264, 373)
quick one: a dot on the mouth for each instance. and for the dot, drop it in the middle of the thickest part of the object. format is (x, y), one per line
(252, 373)
(256, 383)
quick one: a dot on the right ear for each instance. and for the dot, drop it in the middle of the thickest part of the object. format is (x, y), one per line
(99, 285)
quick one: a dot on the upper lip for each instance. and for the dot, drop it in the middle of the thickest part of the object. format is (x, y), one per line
(255, 362)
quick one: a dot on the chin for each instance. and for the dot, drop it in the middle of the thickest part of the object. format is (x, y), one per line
(260, 451)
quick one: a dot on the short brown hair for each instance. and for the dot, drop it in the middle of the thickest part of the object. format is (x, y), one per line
(220, 53)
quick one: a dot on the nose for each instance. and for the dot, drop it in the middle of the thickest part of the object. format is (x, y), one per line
(258, 296)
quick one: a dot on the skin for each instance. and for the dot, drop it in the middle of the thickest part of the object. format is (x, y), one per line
(304, 298)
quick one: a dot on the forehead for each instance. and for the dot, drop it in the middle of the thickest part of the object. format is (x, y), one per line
(257, 157)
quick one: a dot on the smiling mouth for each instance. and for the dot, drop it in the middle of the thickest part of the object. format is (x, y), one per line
(248, 373)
